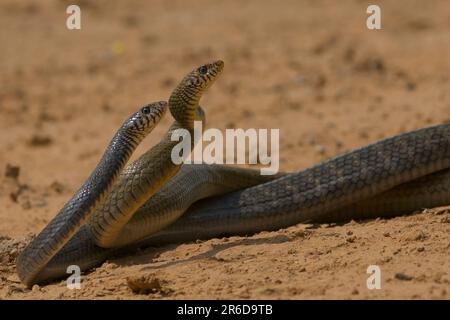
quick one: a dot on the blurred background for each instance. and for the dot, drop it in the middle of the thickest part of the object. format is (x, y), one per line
(310, 68)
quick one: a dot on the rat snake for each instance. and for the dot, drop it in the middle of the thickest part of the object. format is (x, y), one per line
(153, 201)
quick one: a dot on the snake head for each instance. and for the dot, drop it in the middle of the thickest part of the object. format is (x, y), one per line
(186, 96)
(204, 76)
(144, 120)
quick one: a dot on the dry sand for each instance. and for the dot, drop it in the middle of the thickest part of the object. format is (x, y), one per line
(310, 68)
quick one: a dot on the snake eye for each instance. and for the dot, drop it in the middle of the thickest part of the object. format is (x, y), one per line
(146, 110)
(203, 70)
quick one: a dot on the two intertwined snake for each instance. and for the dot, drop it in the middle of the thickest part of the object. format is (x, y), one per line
(153, 201)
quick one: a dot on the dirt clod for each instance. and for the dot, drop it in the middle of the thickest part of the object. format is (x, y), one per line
(145, 284)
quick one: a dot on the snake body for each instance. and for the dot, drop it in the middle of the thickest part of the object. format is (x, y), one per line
(391, 177)
(397, 175)
(166, 206)
(106, 200)
(81, 206)
(140, 180)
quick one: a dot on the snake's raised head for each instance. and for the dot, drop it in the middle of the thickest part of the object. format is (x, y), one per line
(144, 120)
(185, 97)
(204, 76)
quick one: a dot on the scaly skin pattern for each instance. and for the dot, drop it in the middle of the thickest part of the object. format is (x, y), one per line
(165, 206)
(186, 96)
(140, 180)
(174, 198)
(430, 191)
(78, 209)
(361, 175)
(397, 175)
(386, 174)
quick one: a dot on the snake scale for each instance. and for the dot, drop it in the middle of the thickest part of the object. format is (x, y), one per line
(154, 202)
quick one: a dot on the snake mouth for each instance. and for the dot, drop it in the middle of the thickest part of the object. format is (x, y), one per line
(215, 68)
(219, 64)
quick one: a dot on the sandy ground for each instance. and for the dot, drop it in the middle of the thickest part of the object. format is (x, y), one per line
(310, 68)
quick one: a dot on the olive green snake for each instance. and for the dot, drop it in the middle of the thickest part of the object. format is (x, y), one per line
(153, 201)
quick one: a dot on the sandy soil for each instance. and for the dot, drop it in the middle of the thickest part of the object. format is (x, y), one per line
(310, 68)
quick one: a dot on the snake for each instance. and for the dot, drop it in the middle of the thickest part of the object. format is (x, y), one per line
(174, 203)
(81, 206)
(111, 194)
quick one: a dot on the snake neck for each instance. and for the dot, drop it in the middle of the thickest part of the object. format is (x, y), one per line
(183, 103)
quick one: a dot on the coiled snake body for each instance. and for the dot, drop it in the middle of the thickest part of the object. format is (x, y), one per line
(153, 202)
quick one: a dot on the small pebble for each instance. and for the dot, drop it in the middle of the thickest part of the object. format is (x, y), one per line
(403, 277)
(12, 171)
